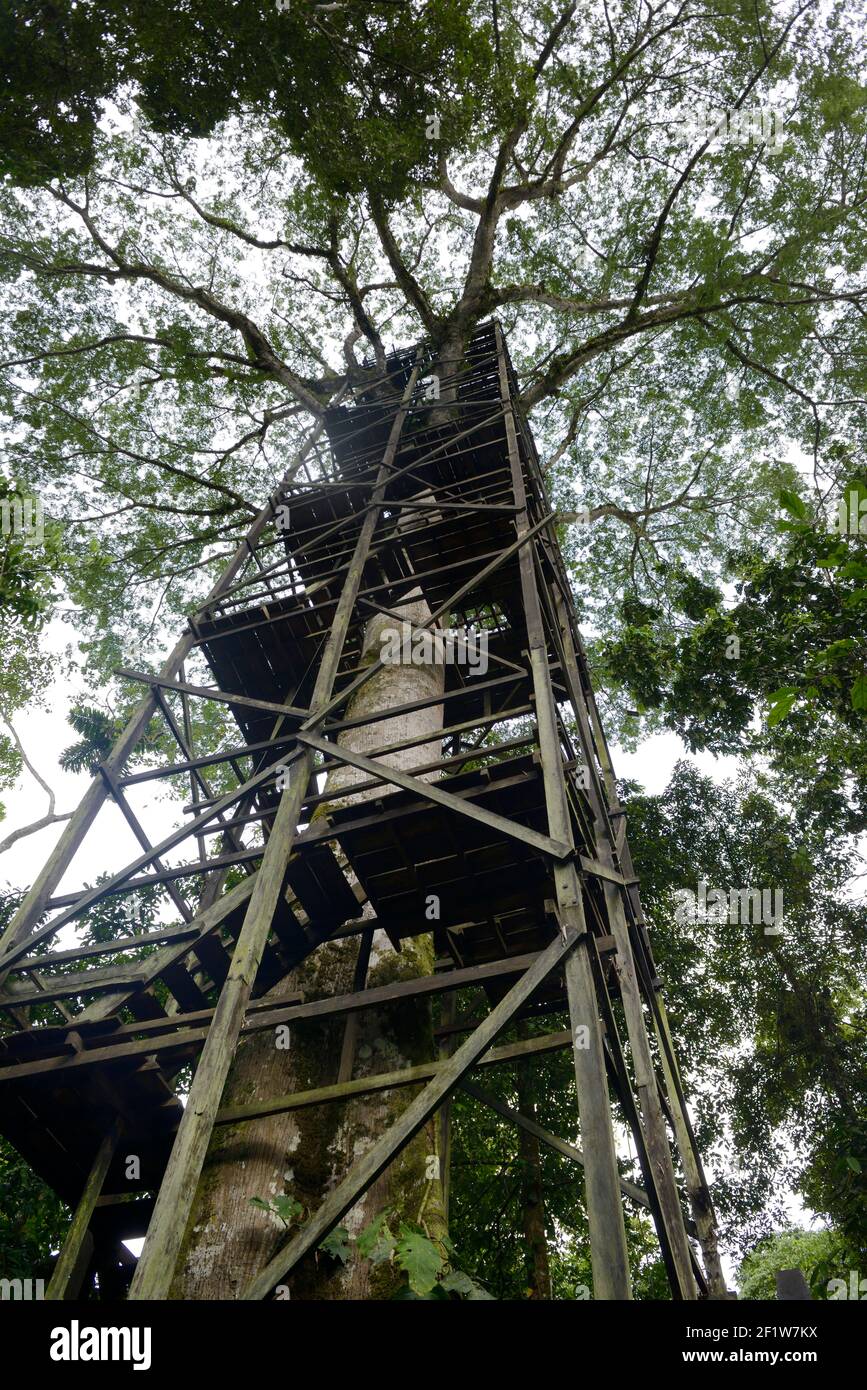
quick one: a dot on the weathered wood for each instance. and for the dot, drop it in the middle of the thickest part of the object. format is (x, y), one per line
(108, 977)
(205, 692)
(64, 1281)
(156, 1267)
(452, 602)
(33, 903)
(350, 1031)
(152, 966)
(696, 1183)
(429, 791)
(388, 1081)
(110, 948)
(16, 950)
(183, 1030)
(653, 1124)
(608, 1252)
(390, 1144)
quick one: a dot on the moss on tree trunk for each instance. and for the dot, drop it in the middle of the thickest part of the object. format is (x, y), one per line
(305, 1153)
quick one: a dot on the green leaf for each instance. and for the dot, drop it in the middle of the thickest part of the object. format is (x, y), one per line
(375, 1242)
(835, 650)
(781, 702)
(794, 505)
(859, 692)
(458, 1282)
(855, 569)
(853, 1163)
(405, 1294)
(382, 1250)
(287, 1208)
(832, 560)
(480, 1295)
(420, 1260)
(336, 1244)
(258, 1202)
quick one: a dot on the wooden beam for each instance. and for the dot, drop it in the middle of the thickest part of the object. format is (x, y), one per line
(389, 1145)
(653, 1124)
(262, 1015)
(33, 904)
(64, 1282)
(649, 1113)
(430, 791)
(150, 968)
(110, 948)
(350, 1030)
(155, 1271)
(629, 1189)
(206, 693)
(388, 1081)
(609, 1257)
(15, 950)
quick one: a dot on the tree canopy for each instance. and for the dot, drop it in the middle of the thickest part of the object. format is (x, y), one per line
(216, 214)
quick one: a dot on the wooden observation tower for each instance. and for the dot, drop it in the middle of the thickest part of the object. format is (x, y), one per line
(512, 826)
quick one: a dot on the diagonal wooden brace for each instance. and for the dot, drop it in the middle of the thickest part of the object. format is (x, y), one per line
(390, 1144)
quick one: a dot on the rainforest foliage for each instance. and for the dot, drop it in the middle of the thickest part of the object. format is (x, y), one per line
(214, 215)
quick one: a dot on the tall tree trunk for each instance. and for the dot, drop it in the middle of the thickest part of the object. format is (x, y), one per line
(305, 1153)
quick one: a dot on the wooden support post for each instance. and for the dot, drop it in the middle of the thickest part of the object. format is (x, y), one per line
(73, 1258)
(696, 1183)
(652, 1119)
(389, 1145)
(653, 1123)
(608, 1252)
(156, 1267)
(190, 746)
(350, 1030)
(448, 1014)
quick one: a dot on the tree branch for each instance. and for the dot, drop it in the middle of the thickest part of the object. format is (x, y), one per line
(50, 817)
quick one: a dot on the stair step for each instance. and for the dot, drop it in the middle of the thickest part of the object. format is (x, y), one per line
(184, 988)
(214, 957)
(321, 887)
(143, 1006)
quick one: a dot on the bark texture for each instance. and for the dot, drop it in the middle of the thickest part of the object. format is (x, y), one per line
(305, 1153)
